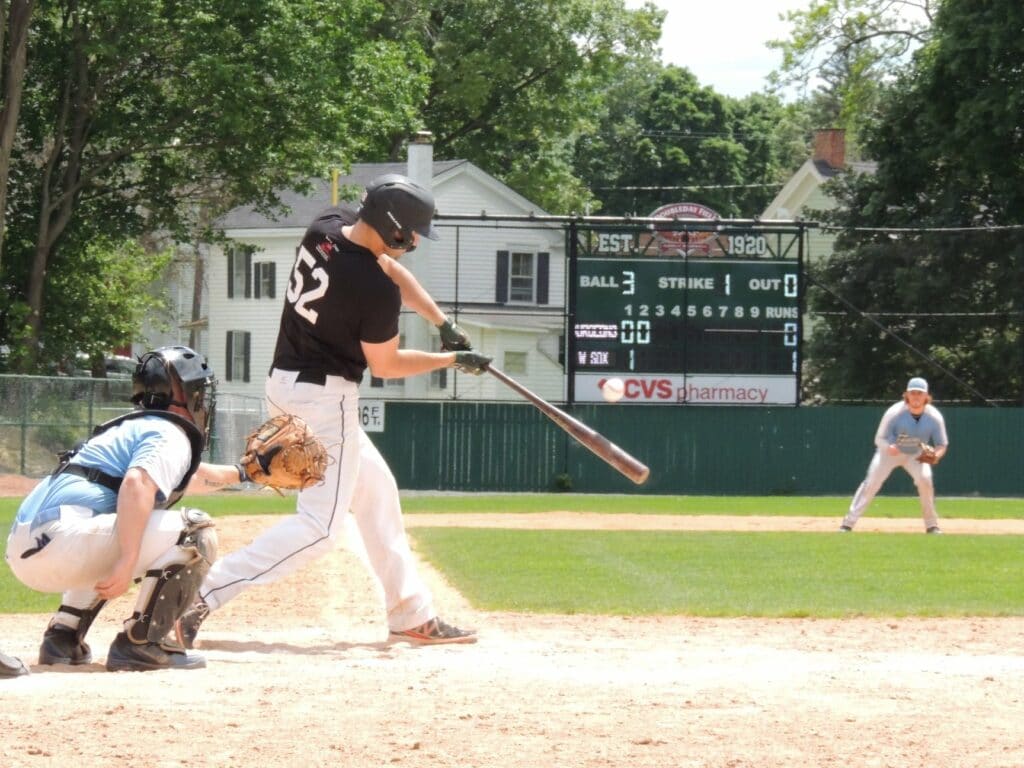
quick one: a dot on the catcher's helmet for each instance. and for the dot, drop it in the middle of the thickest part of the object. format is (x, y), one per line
(153, 384)
(396, 206)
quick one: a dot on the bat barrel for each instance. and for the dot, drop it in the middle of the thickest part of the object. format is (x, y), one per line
(597, 443)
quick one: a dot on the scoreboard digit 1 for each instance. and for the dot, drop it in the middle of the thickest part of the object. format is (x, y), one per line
(719, 328)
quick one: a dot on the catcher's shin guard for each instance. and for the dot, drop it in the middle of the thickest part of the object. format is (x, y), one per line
(170, 586)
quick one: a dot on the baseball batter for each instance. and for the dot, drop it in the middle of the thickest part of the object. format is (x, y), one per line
(907, 427)
(340, 316)
(102, 520)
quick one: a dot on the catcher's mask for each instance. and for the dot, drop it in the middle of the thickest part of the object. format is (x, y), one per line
(155, 376)
(396, 207)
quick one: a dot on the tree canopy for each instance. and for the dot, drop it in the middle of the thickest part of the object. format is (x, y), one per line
(933, 242)
(150, 113)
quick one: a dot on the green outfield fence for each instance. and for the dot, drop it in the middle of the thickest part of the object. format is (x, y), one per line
(489, 446)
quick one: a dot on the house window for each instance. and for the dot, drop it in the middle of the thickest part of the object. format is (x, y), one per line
(239, 271)
(265, 278)
(515, 363)
(237, 355)
(521, 277)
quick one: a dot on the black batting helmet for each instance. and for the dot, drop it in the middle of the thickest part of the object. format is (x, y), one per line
(153, 384)
(396, 206)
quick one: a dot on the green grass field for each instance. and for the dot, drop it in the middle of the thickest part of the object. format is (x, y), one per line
(695, 573)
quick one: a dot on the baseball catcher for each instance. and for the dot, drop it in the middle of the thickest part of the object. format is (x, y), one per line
(283, 452)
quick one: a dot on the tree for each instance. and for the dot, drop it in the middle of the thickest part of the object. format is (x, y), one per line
(154, 110)
(950, 154)
(664, 138)
(853, 48)
(513, 82)
(15, 18)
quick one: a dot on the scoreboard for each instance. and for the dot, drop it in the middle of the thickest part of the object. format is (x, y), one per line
(717, 321)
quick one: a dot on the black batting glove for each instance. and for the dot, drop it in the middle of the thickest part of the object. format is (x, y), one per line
(453, 337)
(472, 362)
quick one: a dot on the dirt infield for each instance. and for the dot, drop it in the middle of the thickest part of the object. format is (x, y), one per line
(301, 674)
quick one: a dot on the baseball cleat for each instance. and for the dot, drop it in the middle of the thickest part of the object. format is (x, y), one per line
(186, 628)
(11, 666)
(845, 529)
(126, 656)
(61, 646)
(436, 632)
(934, 530)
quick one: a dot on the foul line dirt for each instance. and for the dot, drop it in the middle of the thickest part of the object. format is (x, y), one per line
(585, 521)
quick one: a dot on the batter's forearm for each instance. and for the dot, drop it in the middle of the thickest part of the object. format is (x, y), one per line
(410, 362)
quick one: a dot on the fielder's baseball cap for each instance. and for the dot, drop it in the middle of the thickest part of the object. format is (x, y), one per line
(917, 384)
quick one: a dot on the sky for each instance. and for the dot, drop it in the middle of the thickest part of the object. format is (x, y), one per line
(723, 41)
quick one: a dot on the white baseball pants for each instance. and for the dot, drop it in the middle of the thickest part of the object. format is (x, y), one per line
(879, 469)
(357, 479)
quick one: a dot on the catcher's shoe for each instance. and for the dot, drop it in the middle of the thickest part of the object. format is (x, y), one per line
(62, 646)
(187, 627)
(126, 656)
(436, 632)
(11, 666)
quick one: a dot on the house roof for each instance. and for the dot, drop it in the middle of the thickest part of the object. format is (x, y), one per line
(791, 199)
(300, 208)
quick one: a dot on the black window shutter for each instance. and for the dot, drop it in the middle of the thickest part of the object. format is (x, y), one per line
(248, 274)
(248, 342)
(257, 284)
(442, 378)
(273, 280)
(228, 353)
(543, 259)
(231, 272)
(501, 278)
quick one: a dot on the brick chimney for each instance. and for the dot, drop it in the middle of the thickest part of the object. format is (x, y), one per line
(830, 147)
(421, 159)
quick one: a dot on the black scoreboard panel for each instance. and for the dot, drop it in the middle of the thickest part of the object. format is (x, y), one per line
(645, 311)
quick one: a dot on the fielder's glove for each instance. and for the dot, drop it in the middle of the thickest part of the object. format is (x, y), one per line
(283, 452)
(472, 362)
(453, 337)
(928, 455)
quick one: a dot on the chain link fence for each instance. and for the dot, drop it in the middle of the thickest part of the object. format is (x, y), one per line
(41, 416)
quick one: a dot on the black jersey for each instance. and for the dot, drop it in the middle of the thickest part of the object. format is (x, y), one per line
(337, 297)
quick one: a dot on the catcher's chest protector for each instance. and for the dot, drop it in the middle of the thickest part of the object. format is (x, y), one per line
(195, 438)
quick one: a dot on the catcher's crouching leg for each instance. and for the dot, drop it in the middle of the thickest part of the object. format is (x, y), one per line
(167, 590)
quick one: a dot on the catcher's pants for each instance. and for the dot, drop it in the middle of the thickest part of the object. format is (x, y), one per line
(357, 479)
(879, 469)
(80, 547)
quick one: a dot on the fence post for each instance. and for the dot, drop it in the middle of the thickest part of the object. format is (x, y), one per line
(24, 424)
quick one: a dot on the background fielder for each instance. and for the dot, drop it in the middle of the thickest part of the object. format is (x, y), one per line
(905, 427)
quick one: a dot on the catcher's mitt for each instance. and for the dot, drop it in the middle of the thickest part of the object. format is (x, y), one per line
(928, 455)
(283, 452)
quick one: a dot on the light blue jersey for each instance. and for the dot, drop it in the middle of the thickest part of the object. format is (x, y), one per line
(907, 432)
(153, 443)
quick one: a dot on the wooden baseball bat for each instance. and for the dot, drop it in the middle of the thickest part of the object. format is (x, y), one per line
(600, 445)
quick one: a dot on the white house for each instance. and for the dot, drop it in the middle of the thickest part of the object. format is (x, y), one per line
(803, 193)
(503, 282)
